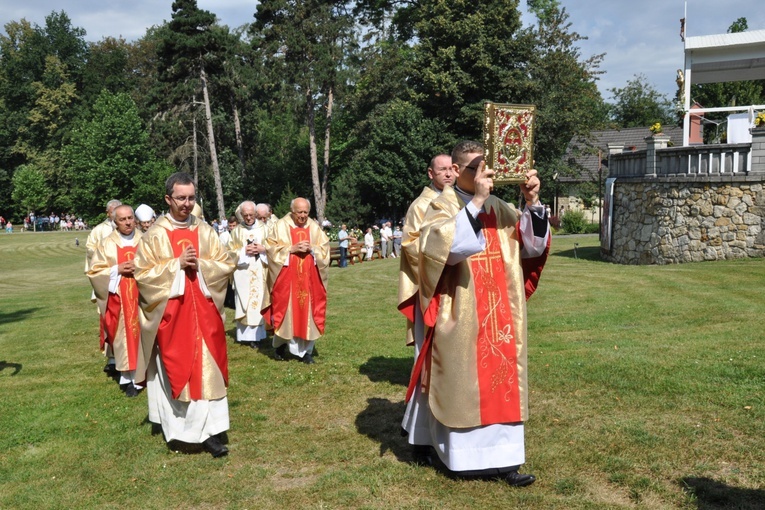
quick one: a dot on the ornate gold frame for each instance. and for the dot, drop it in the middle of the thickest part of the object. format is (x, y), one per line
(508, 141)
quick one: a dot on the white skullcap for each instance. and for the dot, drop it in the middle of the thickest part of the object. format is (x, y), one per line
(144, 213)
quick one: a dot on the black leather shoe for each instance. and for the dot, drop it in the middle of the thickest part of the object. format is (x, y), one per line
(515, 479)
(307, 359)
(132, 391)
(279, 352)
(214, 447)
(422, 455)
(110, 369)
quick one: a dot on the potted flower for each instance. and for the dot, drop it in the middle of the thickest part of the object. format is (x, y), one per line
(656, 129)
(759, 120)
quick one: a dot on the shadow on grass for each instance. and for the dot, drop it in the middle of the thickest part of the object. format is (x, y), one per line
(584, 253)
(16, 367)
(381, 422)
(713, 495)
(18, 315)
(393, 370)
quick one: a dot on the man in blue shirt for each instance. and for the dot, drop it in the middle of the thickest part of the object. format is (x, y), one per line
(342, 236)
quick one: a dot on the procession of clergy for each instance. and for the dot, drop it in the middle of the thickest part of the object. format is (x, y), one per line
(160, 290)
(470, 261)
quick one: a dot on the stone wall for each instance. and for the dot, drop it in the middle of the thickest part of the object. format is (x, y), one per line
(667, 221)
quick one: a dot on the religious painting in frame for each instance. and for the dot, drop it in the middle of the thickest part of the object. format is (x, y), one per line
(508, 141)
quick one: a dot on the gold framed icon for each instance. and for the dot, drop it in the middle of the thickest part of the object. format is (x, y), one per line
(508, 141)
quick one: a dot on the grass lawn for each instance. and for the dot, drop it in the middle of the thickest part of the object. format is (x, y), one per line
(646, 392)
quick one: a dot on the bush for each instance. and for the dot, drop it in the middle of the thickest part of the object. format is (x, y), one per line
(592, 228)
(573, 222)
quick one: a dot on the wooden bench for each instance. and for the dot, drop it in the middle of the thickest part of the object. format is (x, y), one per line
(376, 251)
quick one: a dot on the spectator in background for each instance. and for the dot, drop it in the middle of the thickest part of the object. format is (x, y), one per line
(386, 236)
(397, 236)
(369, 243)
(342, 238)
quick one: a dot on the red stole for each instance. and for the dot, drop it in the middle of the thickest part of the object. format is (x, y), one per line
(299, 284)
(127, 303)
(495, 346)
(189, 321)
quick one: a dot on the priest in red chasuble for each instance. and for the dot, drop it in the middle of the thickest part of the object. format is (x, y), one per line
(182, 271)
(111, 275)
(480, 259)
(296, 304)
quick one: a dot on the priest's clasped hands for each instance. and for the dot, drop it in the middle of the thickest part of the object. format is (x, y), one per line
(301, 247)
(188, 258)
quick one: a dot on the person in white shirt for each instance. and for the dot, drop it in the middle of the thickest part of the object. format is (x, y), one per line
(369, 243)
(386, 236)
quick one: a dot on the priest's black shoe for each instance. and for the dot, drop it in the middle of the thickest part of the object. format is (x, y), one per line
(110, 369)
(307, 359)
(132, 391)
(422, 455)
(515, 479)
(279, 352)
(214, 447)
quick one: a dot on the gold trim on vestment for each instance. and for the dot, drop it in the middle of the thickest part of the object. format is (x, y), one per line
(453, 386)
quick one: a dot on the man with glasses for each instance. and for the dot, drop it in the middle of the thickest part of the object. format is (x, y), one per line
(480, 259)
(182, 271)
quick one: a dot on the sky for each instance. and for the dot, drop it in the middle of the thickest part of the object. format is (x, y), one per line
(637, 36)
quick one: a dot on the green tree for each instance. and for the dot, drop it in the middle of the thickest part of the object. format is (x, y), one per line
(545, 10)
(190, 50)
(39, 70)
(108, 66)
(50, 112)
(304, 44)
(346, 204)
(397, 142)
(464, 56)
(639, 104)
(563, 89)
(109, 157)
(30, 191)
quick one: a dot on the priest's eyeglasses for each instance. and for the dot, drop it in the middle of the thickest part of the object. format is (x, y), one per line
(181, 200)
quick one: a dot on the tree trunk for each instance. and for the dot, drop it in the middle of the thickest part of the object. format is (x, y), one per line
(213, 152)
(239, 141)
(327, 127)
(317, 191)
(194, 132)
